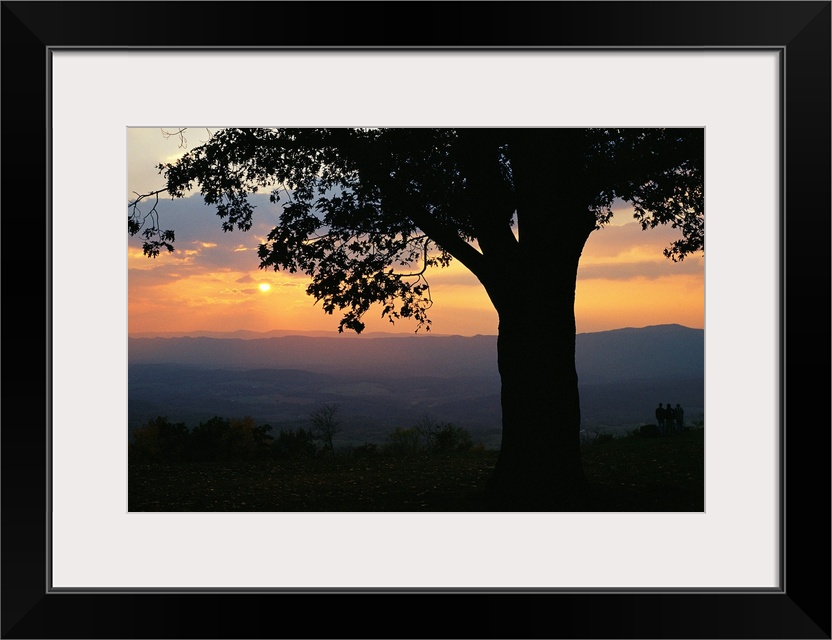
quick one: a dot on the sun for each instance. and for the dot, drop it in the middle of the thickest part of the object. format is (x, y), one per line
(265, 286)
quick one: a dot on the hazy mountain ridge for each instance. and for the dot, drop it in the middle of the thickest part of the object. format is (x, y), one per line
(245, 334)
(444, 356)
(655, 351)
(392, 381)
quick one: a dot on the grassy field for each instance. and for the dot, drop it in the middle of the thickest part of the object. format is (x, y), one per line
(649, 474)
(628, 474)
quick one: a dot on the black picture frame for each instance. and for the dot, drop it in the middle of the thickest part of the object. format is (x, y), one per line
(800, 608)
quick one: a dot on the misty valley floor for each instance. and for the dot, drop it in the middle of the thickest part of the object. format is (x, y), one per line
(628, 474)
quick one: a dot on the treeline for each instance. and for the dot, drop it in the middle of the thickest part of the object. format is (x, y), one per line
(218, 439)
(237, 440)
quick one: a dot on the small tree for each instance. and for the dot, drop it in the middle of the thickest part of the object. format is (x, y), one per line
(427, 427)
(326, 424)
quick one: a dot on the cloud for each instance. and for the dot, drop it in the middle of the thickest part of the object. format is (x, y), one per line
(649, 270)
(150, 277)
(614, 240)
(627, 252)
(197, 226)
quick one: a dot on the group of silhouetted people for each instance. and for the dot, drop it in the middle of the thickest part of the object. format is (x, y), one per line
(670, 419)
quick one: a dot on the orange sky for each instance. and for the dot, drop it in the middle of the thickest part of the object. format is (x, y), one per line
(212, 281)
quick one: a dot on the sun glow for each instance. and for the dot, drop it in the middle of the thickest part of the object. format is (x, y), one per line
(265, 286)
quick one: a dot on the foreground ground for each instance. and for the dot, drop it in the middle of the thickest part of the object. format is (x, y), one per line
(627, 474)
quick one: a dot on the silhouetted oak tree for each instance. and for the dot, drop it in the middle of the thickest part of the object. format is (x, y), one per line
(367, 212)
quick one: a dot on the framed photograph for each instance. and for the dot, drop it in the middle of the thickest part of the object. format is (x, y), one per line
(79, 77)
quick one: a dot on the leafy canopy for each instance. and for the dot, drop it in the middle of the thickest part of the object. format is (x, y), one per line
(366, 212)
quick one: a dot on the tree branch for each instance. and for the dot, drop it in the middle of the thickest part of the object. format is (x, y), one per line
(449, 240)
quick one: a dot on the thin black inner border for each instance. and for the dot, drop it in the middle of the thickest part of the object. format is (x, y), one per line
(781, 50)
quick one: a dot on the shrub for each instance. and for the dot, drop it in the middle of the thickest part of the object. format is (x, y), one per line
(159, 441)
(246, 441)
(209, 440)
(595, 437)
(366, 450)
(403, 442)
(649, 431)
(294, 444)
(442, 437)
(451, 439)
(604, 437)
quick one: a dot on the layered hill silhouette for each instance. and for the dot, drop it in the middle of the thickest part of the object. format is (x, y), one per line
(384, 380)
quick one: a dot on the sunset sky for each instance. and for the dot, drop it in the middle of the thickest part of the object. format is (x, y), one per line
(212, 281)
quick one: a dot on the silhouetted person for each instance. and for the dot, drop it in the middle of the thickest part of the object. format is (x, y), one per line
(668, 419)
(679, 414)
(660, 415)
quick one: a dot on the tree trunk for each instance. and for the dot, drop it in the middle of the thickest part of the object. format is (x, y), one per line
(539, 465)
(532, 285)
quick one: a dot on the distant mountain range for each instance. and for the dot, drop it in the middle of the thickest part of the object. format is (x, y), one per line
(244, 334)
(386, 380)
(443, 356)
(667, 350)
